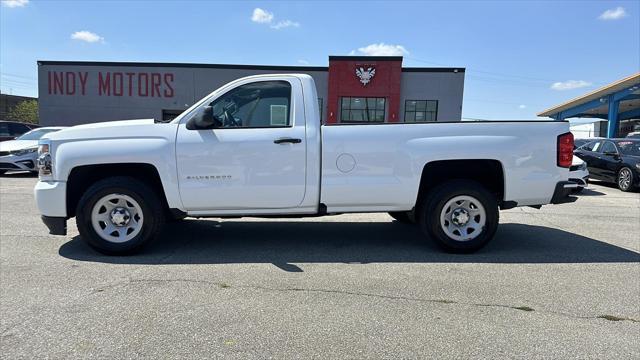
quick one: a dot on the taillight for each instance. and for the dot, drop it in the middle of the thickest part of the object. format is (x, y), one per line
(565, 150)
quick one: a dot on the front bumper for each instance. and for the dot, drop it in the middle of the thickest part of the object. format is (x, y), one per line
(562, 193)
(25, 162)
(52, 205)
(56, 225)
(51, 198)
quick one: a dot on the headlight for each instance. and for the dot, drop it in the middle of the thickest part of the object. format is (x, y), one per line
(583, 166)
(24, 151)
(44, 162)
(43, 148)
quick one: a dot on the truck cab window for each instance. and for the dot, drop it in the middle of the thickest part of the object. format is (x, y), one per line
(255, 105)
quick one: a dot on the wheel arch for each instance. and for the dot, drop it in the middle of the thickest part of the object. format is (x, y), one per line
(82, 177)
(487, 172)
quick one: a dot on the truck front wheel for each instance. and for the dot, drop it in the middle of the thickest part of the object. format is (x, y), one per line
(119, 215)
(461, 216)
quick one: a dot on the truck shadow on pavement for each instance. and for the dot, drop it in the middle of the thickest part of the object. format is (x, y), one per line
(590, 192)
(285, 242)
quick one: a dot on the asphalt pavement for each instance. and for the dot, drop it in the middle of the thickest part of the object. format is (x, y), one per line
(559, 282)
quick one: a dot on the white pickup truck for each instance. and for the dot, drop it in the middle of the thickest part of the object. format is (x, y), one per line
(256, 147)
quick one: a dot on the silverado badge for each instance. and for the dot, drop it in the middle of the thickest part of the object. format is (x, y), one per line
(365, 76)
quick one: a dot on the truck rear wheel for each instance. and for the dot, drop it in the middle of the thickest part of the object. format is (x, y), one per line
(405, 217)
(461, 216)
(119, 215)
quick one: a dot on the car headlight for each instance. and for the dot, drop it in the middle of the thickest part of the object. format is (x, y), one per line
(583, 166)
(24, 151)
(44, 161)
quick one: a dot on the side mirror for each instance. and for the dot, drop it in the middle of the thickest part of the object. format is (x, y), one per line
(203, 120)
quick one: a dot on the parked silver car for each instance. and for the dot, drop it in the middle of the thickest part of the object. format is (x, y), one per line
(20, 154)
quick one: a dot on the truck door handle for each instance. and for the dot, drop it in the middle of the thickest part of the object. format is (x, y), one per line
(287, 140)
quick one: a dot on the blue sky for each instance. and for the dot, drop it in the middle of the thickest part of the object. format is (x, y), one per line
(521, 57)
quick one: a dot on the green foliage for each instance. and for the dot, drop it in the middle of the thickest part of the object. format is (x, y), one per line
(25, 111)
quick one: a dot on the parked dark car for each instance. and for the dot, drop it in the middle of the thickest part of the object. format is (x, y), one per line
(10, 130)
(613, 160)
(579, 142)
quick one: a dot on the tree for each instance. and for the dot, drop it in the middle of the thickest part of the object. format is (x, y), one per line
(25, 111)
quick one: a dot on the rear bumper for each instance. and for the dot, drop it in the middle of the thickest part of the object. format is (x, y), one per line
(562, 193)
(56, 225)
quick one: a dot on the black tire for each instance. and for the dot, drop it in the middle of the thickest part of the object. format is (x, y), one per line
(619, 182)
(148, 200)
(437, 198)
(405, 217)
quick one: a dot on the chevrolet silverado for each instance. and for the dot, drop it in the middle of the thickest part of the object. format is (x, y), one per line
(256, 147)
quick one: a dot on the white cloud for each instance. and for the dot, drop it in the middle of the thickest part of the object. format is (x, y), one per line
(613, 14)
(14, 3)
(87, 36)
(570, 85)
(522, 106)
(285, 24)
(303, 62)
(381, 49)
(261, 16)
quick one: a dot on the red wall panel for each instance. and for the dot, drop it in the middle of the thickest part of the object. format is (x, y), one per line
(343, 81)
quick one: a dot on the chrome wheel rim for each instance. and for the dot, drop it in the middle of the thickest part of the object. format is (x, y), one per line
(463, 218)
(117, 218)
(624, 179)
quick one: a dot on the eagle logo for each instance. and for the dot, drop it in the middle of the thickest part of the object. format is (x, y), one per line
(365, 76)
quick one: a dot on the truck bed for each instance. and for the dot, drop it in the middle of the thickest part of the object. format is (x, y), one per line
(359, 160)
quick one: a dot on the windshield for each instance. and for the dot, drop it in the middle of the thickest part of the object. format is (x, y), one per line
(36, 134)
(629, 147)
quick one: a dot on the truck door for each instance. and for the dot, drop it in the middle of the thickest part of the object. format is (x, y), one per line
(255, 157)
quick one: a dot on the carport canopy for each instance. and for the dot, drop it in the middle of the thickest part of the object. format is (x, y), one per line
(615, 102)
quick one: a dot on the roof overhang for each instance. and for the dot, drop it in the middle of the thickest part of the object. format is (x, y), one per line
(595, 103)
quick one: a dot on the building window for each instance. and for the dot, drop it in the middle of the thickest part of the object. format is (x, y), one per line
(420, 110)
(320, 107)
(362, 109)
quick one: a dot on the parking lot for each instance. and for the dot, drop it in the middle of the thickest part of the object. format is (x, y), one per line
(563, 281)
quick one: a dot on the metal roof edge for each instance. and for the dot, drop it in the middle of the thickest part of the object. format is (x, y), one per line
(603, 91)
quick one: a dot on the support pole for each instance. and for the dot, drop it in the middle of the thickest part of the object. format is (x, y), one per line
(612, 126)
